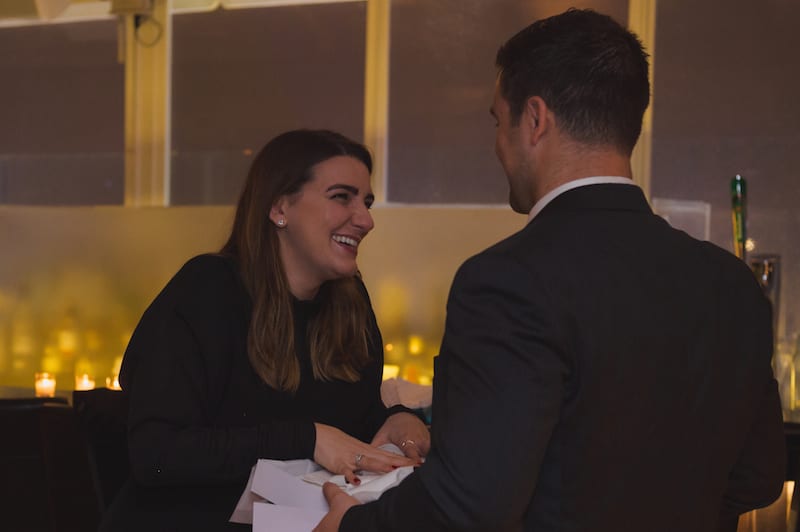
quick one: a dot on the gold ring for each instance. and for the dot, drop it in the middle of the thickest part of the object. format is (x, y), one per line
(404, 442)
(358, 459)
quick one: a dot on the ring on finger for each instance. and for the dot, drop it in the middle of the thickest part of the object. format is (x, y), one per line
(406, 442)
(359, 457)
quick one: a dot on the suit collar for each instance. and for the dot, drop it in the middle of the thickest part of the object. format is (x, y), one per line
(575, 183)
(605, 196)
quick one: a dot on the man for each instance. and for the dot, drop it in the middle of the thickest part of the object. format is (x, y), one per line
(599, 370)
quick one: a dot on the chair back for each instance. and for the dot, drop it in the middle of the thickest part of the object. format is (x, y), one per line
(45, 479)
(102, 416)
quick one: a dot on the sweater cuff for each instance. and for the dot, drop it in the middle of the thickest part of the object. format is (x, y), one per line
(396, 409)
(287, 440)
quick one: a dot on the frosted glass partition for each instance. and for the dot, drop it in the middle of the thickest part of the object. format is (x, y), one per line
(441, 84)
(79, 278)
(242, 76)
(725, 103)
(61, 116)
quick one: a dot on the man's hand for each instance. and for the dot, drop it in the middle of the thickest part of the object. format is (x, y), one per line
(340, 502)
(408, 433)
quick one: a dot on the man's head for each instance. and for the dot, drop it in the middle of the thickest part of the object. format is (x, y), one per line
(589, 71)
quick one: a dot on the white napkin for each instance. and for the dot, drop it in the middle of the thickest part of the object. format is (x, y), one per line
(370, 488)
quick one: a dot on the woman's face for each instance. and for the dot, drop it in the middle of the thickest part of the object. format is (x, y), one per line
(323, 224)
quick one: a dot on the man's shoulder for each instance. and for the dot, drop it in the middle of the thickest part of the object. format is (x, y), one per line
(504, 261)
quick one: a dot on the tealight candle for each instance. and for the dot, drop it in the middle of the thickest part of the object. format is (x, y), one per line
(112, 383)
(45, 384)
(84, 382)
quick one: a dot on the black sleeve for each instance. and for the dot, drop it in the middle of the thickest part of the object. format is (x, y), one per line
(498, 351)
(178, 367)
(758, 475)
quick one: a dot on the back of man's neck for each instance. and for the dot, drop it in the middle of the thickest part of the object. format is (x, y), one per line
(581, 162)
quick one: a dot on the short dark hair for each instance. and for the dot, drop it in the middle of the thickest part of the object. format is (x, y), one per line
(590, 70)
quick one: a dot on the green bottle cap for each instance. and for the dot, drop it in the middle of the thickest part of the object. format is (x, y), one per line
(738, 186)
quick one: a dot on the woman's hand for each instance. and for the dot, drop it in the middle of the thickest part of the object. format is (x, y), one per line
(407, 432)
(342, 454)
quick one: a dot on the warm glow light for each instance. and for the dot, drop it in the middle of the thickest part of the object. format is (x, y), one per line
(750, 244)
(84, 382)
(389, 347)
(67, 341)
(390, 371)
(415, 345)
(45, 384)
(112, 383)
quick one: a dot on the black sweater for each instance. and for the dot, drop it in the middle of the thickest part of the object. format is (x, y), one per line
(199, 415)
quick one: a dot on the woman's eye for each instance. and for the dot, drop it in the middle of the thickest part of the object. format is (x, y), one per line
(341, 196)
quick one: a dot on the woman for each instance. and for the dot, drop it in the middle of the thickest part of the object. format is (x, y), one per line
(268, 349)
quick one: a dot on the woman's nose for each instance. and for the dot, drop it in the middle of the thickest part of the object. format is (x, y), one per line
(363, 219)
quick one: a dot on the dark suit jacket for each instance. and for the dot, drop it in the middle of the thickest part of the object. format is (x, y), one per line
(599, 371)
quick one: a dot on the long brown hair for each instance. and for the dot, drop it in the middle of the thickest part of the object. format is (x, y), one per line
(338, 334)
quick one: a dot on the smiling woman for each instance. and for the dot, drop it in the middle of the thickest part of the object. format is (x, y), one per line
(267, 349)
(323, 224)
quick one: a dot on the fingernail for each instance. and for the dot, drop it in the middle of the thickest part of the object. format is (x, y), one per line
(356, 481)
(394, 467)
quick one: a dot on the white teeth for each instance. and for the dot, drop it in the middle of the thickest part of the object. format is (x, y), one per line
(346, 240)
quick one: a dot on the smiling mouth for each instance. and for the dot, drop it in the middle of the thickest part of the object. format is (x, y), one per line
(346, 240)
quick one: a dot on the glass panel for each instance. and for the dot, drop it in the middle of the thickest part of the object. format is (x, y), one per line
(442, 77)
(62, 114)
(242, 76)
(725, 105)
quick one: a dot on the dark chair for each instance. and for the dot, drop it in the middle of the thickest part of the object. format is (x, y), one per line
(792, 433)
(45, 479)
(102, 417)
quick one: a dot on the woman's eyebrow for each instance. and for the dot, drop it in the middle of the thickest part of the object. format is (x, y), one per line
(349, 188)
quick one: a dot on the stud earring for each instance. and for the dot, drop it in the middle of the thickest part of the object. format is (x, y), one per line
(281, 222)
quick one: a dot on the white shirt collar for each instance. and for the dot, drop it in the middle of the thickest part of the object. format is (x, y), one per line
(597, 180)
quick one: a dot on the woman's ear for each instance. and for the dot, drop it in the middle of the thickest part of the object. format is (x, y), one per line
(277, 213)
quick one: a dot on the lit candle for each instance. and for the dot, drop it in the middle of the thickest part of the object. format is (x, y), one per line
(45, 384)
(84, 382)
(112, 383)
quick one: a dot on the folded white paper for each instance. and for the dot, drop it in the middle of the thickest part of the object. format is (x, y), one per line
(287, 495)
(273, 518)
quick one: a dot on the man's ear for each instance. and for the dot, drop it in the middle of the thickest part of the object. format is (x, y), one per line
(535, 118)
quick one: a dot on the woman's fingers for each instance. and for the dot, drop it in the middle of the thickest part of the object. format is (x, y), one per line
(382, 461)
(351, 478)
(342, 454)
